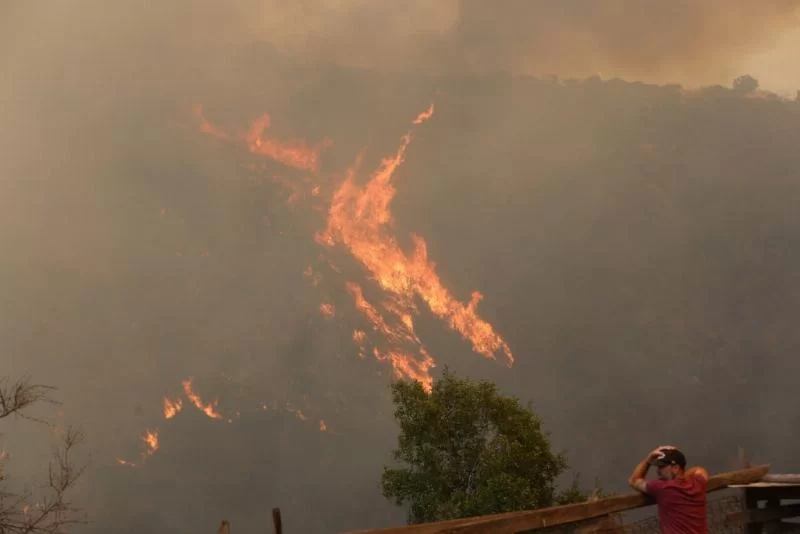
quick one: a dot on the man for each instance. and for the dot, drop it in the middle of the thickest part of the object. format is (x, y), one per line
(679, 493)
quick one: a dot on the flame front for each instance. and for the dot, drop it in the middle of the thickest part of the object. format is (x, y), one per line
(292, 153)
(327, 310)
(208, 409)
(400, 334)
(205, 126)
(151, 440)
(359, 219)
(425, 115)
(172, 407)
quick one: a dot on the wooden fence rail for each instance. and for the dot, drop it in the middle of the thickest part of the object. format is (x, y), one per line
(515, 522)
(599, 515)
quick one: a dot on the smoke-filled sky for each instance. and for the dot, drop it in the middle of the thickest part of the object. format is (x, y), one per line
(632, 243)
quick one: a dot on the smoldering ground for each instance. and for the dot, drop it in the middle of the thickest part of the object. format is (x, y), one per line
(633, 243)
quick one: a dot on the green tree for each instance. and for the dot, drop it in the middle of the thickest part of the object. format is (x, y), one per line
(745, 84)
(467, 450)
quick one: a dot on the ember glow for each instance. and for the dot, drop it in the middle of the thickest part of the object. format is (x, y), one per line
(172, 407)
(327, 310)
(359, 221)
(209, 409)
(151, 440)
(425, 115)
(293, 153)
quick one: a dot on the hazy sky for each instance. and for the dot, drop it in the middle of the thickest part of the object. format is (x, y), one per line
(774, 67)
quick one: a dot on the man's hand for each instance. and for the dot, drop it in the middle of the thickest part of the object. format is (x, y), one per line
(636, 480)
(659, 452)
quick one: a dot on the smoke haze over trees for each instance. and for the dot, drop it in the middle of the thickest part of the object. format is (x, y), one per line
(635, 245)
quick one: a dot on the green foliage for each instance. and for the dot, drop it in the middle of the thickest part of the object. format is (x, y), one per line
(467, 450)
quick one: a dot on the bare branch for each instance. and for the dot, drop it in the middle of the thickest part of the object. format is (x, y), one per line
(18, 395)
(49, 510)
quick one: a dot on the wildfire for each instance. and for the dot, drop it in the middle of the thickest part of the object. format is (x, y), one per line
(425, 115)
(172, 408)
(314, 276)
(151, 440)
(209, 409)
(359, 220)
(205, 126)
(403, 363)
(292, 153)
(328, 310)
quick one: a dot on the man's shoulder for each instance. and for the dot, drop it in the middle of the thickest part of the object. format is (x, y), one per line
(698, 480)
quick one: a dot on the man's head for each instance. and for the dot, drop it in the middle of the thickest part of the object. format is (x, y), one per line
(670, 464)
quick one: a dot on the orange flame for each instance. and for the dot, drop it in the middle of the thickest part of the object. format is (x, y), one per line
(292, 153)
(151, 440)
(209, 409)
(328, 310)
(359, 337)
(205, 126)
(314, 276)
(403, 364)
(322, 426)
(358, 218)
(120, 461)
(425, 115)
(172, 407)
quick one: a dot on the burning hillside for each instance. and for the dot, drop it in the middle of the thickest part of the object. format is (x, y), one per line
(360, 221)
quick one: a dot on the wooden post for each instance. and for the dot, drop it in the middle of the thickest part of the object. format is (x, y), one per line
(773, 526)
(276, 520)
(751, 503)
(744, 461)
(769, 519)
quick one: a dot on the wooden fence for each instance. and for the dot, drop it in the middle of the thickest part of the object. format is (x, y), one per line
(594, 516)
(731, 515)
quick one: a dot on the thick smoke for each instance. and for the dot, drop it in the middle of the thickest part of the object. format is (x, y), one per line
(680, 42)
(625, 252)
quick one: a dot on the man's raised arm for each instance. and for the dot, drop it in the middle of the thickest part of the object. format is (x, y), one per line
(637, 479)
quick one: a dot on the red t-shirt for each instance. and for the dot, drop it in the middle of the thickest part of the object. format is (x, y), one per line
(681, 504)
